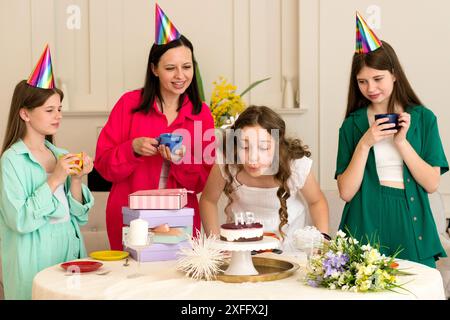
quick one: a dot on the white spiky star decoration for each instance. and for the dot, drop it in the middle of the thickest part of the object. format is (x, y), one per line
(202, 260)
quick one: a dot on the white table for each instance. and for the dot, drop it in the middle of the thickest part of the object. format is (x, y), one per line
(162, 281)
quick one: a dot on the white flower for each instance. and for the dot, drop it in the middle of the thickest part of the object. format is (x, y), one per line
(368, 270)
(366, 247)
(341, 280)
(374, 255)
(332, 286)
(341, 234)
(345, 288)
(365, 285)
(335, 275)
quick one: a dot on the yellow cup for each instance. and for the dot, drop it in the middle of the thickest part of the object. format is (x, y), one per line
(78, 162)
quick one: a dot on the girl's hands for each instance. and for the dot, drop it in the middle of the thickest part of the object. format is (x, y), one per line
(375, 133)
(179, 153)
(86, 168)
(404, 121)
(65, 165)
(145, 146)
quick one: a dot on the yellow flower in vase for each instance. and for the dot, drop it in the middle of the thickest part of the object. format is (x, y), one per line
(225, 103)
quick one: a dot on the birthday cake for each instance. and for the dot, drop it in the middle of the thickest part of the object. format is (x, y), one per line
(241, 232)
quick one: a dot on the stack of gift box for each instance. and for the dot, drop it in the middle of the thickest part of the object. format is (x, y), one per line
(168, 219)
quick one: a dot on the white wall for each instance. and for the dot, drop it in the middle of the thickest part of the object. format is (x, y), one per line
(101, 50)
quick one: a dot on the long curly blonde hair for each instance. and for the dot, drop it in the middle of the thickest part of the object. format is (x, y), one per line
(289, 149)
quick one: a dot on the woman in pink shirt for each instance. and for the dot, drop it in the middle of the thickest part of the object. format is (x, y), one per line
(127, 151)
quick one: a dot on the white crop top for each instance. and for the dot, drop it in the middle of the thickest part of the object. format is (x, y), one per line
(60, 194)
(388, 161)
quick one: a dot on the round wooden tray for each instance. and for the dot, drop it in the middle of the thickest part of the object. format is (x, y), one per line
(269, 270)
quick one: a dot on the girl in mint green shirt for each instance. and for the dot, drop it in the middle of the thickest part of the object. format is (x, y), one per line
(42, 199)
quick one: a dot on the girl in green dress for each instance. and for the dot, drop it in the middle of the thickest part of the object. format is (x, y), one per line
(42, 198)
(385, 171)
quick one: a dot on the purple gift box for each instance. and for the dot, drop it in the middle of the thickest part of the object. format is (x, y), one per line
(174, 218)
(159, 251)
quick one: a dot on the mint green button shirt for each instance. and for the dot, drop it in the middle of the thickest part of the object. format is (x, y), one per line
(29, 242)
(362, 211)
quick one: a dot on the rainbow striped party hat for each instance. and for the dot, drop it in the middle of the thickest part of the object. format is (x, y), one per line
(366, 40)
(42, 75)
(165, 30)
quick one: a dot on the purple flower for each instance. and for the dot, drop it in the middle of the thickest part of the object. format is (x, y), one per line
(327, 264)
(313, 283)
(341, 260)
(334, 263)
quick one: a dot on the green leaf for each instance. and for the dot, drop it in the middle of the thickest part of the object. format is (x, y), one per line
(401, 272)
(199, 82)
(254, 84)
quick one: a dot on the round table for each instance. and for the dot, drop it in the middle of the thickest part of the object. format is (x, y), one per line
(161, 280)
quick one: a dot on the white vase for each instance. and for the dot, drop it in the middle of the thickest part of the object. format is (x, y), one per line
(288, 94)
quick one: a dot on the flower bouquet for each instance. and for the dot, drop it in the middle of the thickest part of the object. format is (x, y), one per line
(226, 104)
(345, 264)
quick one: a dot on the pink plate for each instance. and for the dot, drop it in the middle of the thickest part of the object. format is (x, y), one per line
(81, 266)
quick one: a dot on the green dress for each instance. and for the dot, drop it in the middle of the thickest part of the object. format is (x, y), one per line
(29, 242)
(363, 215)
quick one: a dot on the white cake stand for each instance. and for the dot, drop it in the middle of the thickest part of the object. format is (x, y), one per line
(241, 258)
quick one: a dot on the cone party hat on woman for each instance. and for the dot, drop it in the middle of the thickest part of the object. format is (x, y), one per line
(366, 40)
(42, 75)
(165, 30)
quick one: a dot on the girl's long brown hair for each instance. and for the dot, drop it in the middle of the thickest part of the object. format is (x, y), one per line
(29, 97)
(384, 58)
(289, 149)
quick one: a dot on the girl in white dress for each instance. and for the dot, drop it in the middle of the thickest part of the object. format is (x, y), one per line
(261, 171)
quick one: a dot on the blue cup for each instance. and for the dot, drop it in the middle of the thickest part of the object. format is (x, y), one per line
(173, 141)
(390, 118)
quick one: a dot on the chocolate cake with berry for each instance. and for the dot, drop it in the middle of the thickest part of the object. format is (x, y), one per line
(241, 232)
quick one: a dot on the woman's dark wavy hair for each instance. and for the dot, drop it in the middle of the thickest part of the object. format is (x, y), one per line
(289, 149)
(384, 58)
(151, 89)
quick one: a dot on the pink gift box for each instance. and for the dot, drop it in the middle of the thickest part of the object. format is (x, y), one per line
(158, 199)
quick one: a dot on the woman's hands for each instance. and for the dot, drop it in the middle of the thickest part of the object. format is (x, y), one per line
(176, 156)
(375, 133)
(145, 146)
